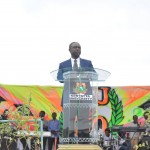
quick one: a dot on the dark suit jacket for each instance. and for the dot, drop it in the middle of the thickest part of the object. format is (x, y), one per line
(67, 66)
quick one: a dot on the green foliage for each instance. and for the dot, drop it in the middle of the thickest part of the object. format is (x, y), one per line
(19, 121)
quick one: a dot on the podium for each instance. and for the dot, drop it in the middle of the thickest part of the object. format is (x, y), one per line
(80, 103)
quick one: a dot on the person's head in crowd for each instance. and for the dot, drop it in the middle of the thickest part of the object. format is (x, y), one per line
(54, 115)
(42, 114)
(135, 119)
(75, 50)
(107, 132)
(4, 116)
(146, 114)
(5, 113)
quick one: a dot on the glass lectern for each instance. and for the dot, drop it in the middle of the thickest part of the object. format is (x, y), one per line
(80, 103)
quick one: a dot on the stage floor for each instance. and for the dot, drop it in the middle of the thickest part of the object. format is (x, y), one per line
(79, 147)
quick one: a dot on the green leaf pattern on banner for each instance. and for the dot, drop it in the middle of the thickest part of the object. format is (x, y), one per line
(117, 109)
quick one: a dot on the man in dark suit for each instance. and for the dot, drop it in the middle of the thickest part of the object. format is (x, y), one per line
(75, 51)
(76, 64)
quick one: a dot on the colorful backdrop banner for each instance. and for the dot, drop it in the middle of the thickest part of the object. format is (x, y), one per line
(116, 105)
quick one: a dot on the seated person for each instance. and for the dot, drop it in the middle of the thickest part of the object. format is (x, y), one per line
(123, 143)
(133, 137)
(107, 139)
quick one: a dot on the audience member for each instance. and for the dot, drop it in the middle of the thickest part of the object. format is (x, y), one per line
(54, 128)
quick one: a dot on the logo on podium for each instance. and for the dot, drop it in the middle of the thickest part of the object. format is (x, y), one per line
(80, 88)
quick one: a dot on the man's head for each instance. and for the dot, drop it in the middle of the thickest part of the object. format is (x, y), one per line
(75, 50)
(107, 132)
(146, 113)
(5, 113)
(54, 115)
(42, 114)
(135, 119)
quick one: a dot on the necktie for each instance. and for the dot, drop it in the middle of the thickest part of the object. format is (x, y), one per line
(75, 66)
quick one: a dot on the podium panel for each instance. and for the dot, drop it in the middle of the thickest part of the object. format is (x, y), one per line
(79, 107)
